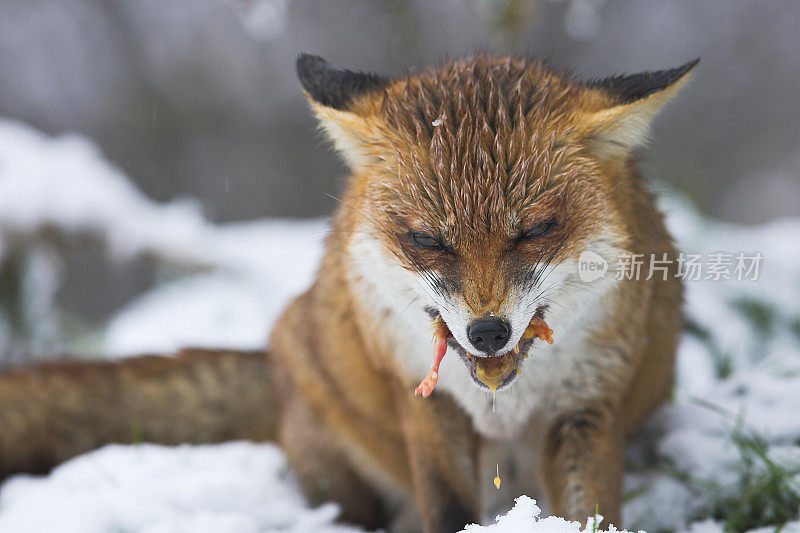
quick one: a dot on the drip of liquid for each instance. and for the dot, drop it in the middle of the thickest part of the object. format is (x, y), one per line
(497, 476)
(494, 396)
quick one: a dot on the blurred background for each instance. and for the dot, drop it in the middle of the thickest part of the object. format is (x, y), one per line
(198, 100)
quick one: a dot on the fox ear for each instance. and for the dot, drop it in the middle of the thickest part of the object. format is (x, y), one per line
(631, 103)
(339, 100)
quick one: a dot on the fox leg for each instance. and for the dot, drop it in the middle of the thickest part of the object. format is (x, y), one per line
(582, 466)
(53, 411)
(324, 470)
(443, 456)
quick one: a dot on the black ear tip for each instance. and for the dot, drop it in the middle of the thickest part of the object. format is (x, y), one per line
(686, 67)
(668, 77)
(310, 69)
(331, 86)
(307, 64)
(636, 86)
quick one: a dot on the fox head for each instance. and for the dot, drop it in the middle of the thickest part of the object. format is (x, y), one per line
(482, 181)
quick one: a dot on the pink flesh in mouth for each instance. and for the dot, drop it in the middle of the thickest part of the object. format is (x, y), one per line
(425, 388)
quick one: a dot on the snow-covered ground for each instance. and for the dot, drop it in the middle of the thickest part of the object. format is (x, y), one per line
(726, 451)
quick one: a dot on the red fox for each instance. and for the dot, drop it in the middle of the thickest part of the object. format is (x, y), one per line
(475, 187)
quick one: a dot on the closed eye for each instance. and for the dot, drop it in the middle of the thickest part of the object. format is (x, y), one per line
(423, 240)
(538, 230)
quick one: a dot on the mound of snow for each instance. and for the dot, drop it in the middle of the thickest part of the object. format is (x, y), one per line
(65, 183)
(524, 516)
(236, 487)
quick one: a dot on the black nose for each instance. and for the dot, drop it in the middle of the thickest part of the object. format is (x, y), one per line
(488, 334)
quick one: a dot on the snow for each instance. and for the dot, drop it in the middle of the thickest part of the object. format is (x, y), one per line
(235, 487)
(525, 516)
(251, 270)
(255, 269)
(65, 183)
(741, 356)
